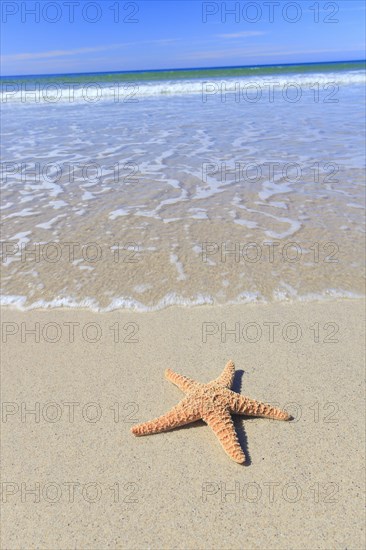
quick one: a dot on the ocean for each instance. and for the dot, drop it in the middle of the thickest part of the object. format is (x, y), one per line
(146, 189)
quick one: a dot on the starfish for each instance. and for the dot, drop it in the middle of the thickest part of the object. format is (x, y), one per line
(213, 403)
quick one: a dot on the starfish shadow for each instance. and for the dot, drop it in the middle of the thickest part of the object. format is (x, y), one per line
(238, 420)
(238, 382)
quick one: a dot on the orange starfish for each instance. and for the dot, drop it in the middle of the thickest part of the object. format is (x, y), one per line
(214, 403)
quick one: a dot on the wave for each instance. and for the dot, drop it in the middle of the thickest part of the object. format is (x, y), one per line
(53, 93)
(171, 299)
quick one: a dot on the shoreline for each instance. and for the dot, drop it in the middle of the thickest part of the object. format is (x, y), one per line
(139, 307)
(72, 463)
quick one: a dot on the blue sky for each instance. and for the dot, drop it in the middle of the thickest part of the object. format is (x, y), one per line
(157, 34)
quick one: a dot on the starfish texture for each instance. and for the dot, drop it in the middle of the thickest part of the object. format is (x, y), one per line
(213, 403)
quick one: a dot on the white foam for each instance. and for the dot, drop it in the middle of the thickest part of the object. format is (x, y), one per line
(17, 302)
(246, 223)
(285, 293)
(248, 297)
(168, 88)
(26, 198)
(140, 289)
(273, 188)
(21, 237)
(170, 220)
(198, 214)
(22, 214)
(279, 204)
(50, 223)
(57, 204)
(171, 299)
(295, 225)
(175, 261)
(87, 196)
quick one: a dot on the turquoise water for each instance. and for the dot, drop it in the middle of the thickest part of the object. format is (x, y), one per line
(177, 74)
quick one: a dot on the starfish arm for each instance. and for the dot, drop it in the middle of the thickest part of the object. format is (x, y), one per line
(226, 378)
(239, 404)
(183, 382)
(181, 414)
(222, 425)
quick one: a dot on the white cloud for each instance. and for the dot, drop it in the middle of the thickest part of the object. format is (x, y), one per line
(80, 51)
(51, 53)
(267, 52)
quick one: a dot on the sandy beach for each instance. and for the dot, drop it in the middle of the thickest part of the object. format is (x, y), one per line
(182, 239)
(73, 475)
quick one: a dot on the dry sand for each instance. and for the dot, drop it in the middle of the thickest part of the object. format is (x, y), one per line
(81, 480)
